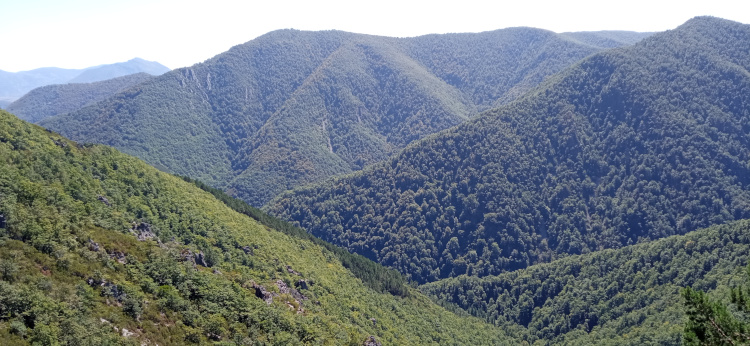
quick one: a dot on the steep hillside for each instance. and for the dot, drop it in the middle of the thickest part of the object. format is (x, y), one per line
(291, 107)
(13, 85)
(98, 248)
(609, 39)
(624, 296)
(51, 100)
(104, 72)
(632, 144)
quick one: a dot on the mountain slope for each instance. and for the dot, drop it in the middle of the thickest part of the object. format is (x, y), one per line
(97, 247)
(291, 107)
(631, 144)
(624, 296)
(104, 72)
(51, 100)
(13, 85)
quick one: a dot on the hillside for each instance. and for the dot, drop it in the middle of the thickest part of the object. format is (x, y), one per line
(625, 296)
(13, 85)
(98, 248)
(294, 107)
(51, 100)
(629, 145)
(132, 66)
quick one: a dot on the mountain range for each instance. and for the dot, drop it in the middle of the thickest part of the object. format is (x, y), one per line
(13, 85)
(56, 99)
(294, 107)
(508, 187)
(96, 247)
(629, 145)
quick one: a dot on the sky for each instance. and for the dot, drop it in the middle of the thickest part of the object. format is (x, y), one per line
(179, 33)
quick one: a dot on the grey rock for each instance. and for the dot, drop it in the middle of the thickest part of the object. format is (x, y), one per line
(104, 200)
(200, 258)
(93, 246)
(371, 342)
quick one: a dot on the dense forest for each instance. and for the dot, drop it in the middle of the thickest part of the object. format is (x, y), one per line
(295, 107)
(630, 145)
(51, 100)
(96, 247)
(624, 296)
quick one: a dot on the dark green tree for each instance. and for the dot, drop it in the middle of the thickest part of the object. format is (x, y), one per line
(711, 322)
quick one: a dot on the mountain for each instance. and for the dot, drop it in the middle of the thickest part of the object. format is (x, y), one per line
(608, 38)
(132, 66)
(629, 145)
(96, 247)
(51, 100)
(13, 85)
(624, 296)
(295, 107)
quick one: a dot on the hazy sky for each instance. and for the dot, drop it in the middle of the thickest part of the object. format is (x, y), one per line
(178, 33)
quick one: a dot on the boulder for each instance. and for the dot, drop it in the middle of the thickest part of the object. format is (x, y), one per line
(371, 342)
(200, 258)
(104, 200)
(262, 293)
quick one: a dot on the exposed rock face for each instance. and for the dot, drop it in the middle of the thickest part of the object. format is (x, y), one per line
(187, 255)
(93, 246)
(200, 258)
(248, 250)
(292, 271)
(262, 293)
(302, 284)
(371, 342)
(118, 256)
(104, 200)
(298, 297)
(143, 231)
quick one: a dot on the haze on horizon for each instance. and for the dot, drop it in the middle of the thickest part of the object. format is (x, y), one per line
(83, 33)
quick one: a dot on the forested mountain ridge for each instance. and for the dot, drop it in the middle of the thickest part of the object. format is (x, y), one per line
(109, 71)
(294, 107)
(96, 247)
(616, 296)
(51, 100)
(13, 85)
(631, 144)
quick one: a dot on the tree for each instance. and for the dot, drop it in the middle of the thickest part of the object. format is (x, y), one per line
(711, 322)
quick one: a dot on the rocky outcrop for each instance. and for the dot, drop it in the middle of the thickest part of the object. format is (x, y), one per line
(371, 342)
(104, 200)
(292, 271)
(142, 231)
(200, 259)
(94, 246)
(302, 284)
(262, 293)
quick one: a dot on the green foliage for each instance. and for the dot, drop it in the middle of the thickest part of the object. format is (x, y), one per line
(103, 249)
(630, 145)
(713, 323)
(290, 107)
(373, 275)
(51, 100)
(621, 296)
